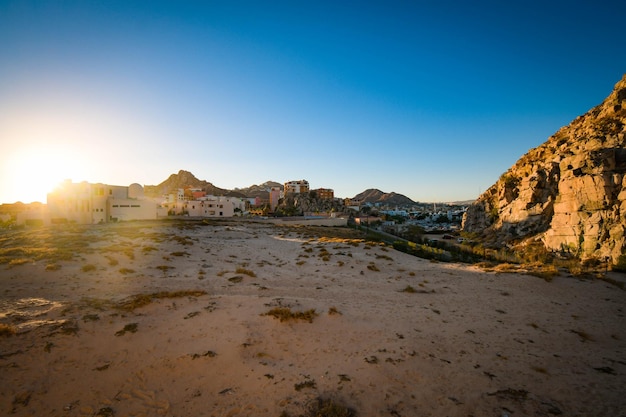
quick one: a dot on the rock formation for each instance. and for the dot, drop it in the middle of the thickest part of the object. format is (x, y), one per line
(569, 192)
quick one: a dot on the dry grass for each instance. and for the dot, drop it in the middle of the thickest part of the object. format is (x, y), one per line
(285, 314)
(141, 300)
(584, 336)
(7, 330)
(409, 289)
(332, 311)
(372, 267)
(245, 272)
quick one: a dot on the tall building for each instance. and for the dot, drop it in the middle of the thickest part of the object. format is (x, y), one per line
(274, 198)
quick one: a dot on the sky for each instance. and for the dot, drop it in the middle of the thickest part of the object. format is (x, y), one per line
(433, 100)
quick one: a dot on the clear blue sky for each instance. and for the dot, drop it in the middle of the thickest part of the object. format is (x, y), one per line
(431, 99)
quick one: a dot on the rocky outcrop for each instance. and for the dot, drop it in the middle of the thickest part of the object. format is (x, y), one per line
(570, 192)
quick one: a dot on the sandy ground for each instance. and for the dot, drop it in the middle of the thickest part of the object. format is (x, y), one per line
(459, 342)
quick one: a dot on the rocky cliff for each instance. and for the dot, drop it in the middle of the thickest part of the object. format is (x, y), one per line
(569, 193)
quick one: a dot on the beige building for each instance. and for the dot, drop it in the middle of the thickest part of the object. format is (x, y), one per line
(87, 203)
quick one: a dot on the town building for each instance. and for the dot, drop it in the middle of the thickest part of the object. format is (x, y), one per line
(297, 187)
(274, 198)
(208, 206)
(86, 203)
(325, 193)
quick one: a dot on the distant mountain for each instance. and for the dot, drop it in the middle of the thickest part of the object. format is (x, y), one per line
(186, 179)
(262, 191)
(181, 180)
(373, 195)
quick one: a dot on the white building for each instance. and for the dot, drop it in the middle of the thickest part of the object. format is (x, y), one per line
(208, 206)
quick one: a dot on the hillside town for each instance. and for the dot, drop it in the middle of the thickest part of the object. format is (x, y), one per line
(96, 203)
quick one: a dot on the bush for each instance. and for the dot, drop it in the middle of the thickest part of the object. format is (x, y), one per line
(620, 265)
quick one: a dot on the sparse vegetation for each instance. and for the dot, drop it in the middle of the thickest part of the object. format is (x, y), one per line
(409, 289)
(333, 311)
(245, 271)
(129, 328)
(53, 267)
(309, 383)
(584, 336)
(372, 267)
(88, 268)
(285, 314)
(141, 300)
(7, 330)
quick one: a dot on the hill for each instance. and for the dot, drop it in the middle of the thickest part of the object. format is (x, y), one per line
(373, 195)
(181, 180)
(569, 193)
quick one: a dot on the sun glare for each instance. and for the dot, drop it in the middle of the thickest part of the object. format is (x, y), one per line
(36, 171)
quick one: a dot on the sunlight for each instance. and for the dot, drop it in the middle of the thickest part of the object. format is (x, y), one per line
(37, 170)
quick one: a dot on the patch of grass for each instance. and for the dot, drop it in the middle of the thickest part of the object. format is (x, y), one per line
(285, 314)
(385, 257)
(125, 271)
(147, 249)
(180, 253)
(207, 354)
(183, 240)
(309, 383)
(333, 311)
(129, 328)
(91, 317)
(245, 271)
(164, 268)
(7, 330)
(141, 300)
(88, 268)
(539, 369)
(20, 261)
(321, 407)
(299, 263)
(584, 336)
(409, 289)
(372, 267)
(53, 267)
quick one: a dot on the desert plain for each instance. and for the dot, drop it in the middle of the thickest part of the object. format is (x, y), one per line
(250, 318)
